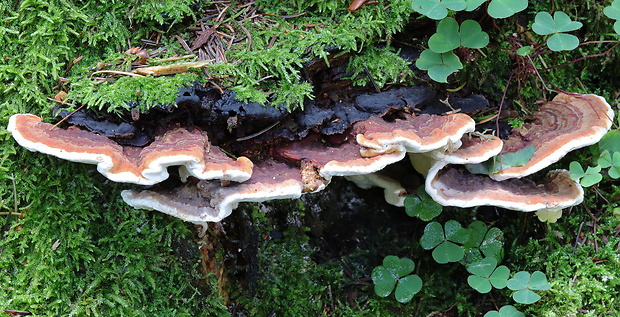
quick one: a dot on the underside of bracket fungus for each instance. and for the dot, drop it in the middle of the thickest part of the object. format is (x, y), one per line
(127, 164)
(451, 185)
(201, 201)
(559, 126)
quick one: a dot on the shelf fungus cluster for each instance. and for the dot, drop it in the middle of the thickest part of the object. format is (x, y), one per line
(441, 147)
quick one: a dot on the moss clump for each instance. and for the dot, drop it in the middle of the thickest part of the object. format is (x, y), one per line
(145, 92)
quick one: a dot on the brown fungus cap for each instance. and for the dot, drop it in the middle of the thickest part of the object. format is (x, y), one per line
(417, 134)
(145, 166)
(206, 201)
(452, 185)
(566, 123)
(474, 149)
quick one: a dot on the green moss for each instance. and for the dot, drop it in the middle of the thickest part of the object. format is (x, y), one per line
(147, 92)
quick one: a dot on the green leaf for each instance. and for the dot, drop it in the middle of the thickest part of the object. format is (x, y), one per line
(605, 160)
(437, 9)
(519, 281)
(433, 236)
(592, 176)
(480, 284)
(544, 24)
(525, 296)
(384, 281)
(500, 276)
(483, 268)
(562, 42)
(407, 288)
(477, 231)
(500, 9)
(538, 282)
(617, 27)
(455, 232)
(398, 267)
(493, 244)
(613, 11)
(439, 66)
(473, 4)
(614, 171)
(519, 158)
(576, 171)
(472, 35)
(447, 36)
(524, 51)
(563, 23)
(422, 206)
(507, 160)
(448, 252)
(610, 142)
(505, 311)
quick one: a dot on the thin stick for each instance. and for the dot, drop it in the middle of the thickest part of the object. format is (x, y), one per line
(65, 118)
(116, 72)
(259, 132)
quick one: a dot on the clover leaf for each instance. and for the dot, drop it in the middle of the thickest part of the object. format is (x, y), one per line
(613, 12)
(422, 206)
(396, 270)
(473, 4)
(505, 311)
(610, 142)
(500, 9)
(614, 170)
(445, 241)
(449, 36)
(503, 161)
(439, 66)
(483, 242)
(544, 24)
(437, 9)
(605, 160)
(486, 274)
(588, 178)
(523, 283)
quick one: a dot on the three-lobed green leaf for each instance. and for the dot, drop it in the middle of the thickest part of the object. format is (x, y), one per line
(523, 283)
(422, 206)
(444, 241)
(450, 36)
(439, 66)
(545, 24)
(395, 271)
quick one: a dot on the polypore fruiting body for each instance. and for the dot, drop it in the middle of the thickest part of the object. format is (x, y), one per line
(206, 201)
(145, 166)
(452, 185)
(566, 123)
(415, 134)
(473, 150)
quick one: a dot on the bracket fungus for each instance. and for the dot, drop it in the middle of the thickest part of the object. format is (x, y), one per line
(566, 123)
(200, 201)
(214, 183)
(127, 164)
(451, 185)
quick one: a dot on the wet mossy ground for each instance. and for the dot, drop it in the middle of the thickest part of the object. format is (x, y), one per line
(70, 246)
